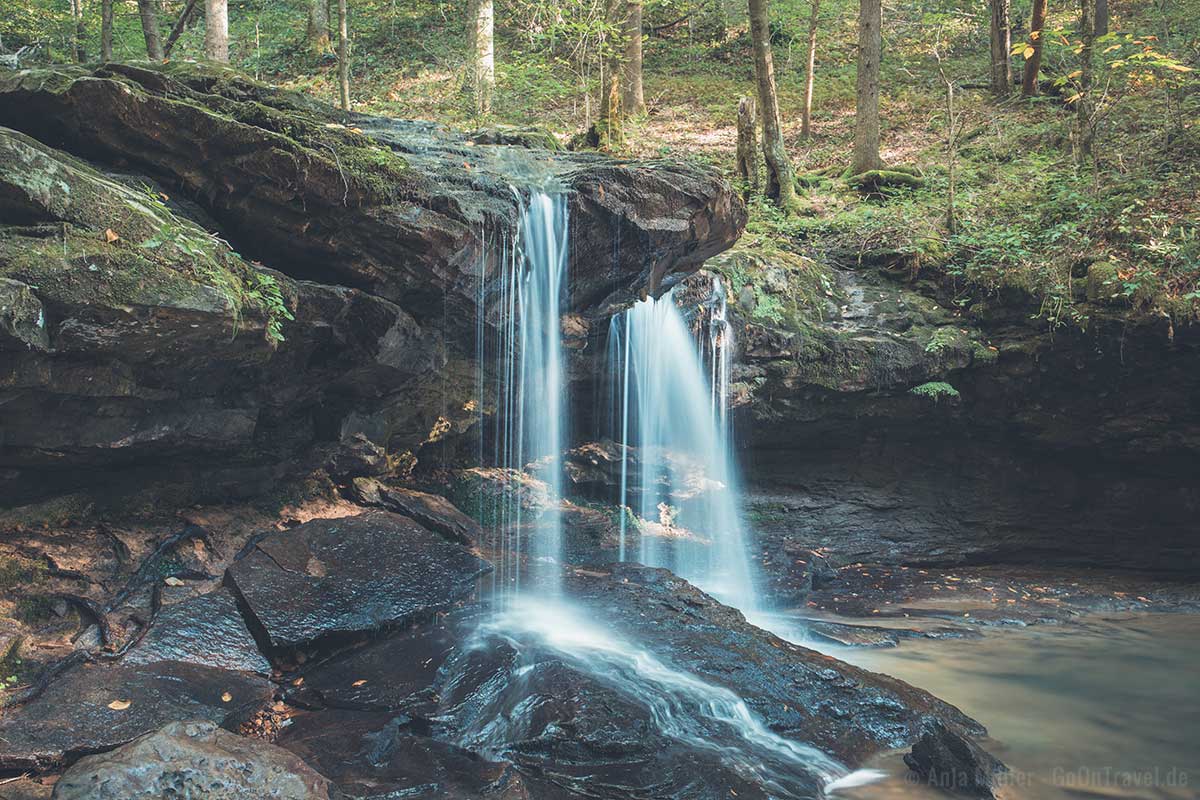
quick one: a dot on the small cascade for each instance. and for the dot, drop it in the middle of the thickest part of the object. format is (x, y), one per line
(684, 486)
(530, 401)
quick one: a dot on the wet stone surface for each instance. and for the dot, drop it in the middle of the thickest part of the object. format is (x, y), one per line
(343, 577)
(207, 629)
(93, 708)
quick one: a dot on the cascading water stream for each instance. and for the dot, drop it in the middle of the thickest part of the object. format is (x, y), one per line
(676, 417)
(530, 390)
(673, 421)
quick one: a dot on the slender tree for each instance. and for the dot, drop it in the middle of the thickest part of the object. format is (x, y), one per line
(1101, 25)
(780, 183)
(180, 25)
(1033, 61)
(481, 82)
(1085, 106)
(866, 109)
(633, 97)
(747, 147)
(343, 55)
(216, 30)
(810, 66)
(610, 128)
(1000, 37)
(149, 15)
(80, 35)
(318, 27)
(106, 29)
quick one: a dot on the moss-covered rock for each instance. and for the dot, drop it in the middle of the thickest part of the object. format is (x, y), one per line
(1103, 283)
(879, 181)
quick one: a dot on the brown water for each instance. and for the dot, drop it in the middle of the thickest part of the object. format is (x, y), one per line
(1108, 708)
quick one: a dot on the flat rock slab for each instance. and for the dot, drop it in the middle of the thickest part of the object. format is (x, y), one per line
(374, 756)
(433, 511)
(395, 675)
(196, 760)
(336, 578)
(94, 708)
(207, 630)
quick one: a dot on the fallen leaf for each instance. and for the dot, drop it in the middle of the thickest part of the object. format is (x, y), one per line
(120, 705)
(359, 682)
(110, 235)
(171, 580)
(226, 697)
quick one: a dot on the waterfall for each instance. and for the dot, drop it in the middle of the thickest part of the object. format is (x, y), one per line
(673, 422)
(530, 399)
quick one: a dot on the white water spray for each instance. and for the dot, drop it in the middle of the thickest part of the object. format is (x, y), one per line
(687, 487)
(530, 386)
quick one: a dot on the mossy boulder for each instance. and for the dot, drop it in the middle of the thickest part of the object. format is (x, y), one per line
(1103, 282)
(528, 138)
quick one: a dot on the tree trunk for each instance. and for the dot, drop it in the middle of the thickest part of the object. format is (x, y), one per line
(633, 98)
(318, 27)
(610, 129)
(481, 83)
(106, 30)
(866, 110)
(806, 113)
(1085, 106)
(80, 31)
(216, 30)
(1033, 64)
(1100, 26)
(780, 185)
(343, 55)
(1000, 34)
(149, 16)
(747, 147)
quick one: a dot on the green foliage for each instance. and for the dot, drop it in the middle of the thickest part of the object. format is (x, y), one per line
(942, 339)
(216, 265)
(935, 391)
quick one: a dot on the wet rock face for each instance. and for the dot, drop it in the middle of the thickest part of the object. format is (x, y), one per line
(206, 630)
(333, 579)
(560, 708)
(196, 760)
(138, 339)
(94, 708)
(430, 510)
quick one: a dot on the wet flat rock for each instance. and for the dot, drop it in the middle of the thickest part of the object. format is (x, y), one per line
(207, 630)
(430, 510)
(196, 760)
(799, 693)
(339, 577)
(376, 756)
(94, 708)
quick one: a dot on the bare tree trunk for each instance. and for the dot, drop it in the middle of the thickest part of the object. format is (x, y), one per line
(343, 55)
(780, 184)
(106, 29)
(149, 16)
(610, 129)
(866, 111)
(1101, 24)
(318, 27)
(806, 113)
(80, 31)
(481, 39)
(1000, 35)
(747, 147)
(633, 97)
(216, 30)
(1033, 64)
(1086, 107)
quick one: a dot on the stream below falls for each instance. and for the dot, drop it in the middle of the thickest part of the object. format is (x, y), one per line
(1105, 708)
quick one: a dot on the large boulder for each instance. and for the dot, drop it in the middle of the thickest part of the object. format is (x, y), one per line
(331, 580)
(207, 629)
(196, 760)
